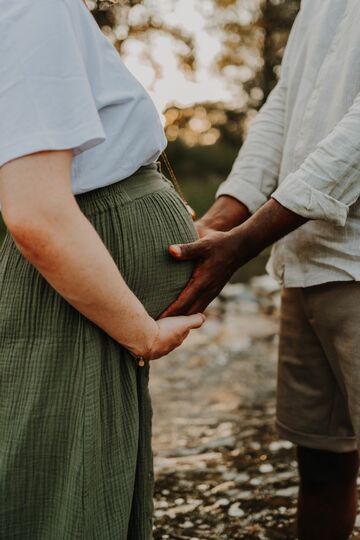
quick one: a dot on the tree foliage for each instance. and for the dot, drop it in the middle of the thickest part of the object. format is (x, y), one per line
(139, 19)
(253, 35)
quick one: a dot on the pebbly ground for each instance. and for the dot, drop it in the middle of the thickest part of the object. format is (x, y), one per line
(222, 472)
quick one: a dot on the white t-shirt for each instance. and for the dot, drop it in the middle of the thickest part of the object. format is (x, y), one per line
(64, 85)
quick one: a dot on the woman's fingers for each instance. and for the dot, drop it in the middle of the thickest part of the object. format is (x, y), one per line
(194, 321)
(173, 331)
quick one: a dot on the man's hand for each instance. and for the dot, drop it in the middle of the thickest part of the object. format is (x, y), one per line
(220, 254)
(217, 256)
(211, 252)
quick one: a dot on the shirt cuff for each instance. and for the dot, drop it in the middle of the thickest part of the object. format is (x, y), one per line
(244, 192)
(303, 199)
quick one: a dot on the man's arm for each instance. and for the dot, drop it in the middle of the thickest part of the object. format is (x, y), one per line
(220, 254)
(323, 188)
(225, 214)
(255, 173)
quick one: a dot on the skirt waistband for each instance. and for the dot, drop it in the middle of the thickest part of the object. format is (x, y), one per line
(145, 180)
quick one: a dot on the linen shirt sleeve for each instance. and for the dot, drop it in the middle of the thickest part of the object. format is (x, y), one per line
(46, 101)
(328, 181)
(255, 172)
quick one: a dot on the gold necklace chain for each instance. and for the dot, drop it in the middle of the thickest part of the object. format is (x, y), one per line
(177, 185)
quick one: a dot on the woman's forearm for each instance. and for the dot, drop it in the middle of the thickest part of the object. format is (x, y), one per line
(70, 255)
(49, 229)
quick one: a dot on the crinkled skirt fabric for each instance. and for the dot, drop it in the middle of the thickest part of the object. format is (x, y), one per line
(75, 410)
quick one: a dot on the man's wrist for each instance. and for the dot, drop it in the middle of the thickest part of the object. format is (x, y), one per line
(245, 245)
(225, 214)
(268, 225)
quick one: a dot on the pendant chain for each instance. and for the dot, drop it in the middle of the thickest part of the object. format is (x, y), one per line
(172, 175)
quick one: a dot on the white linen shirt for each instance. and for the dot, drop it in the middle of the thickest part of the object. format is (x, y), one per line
(303, 148)
(63, 85)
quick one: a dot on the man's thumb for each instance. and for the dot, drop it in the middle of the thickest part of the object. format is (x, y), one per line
(185, 252)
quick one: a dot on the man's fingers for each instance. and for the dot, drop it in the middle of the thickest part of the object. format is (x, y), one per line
(185, 301)
(199, 306)
(186, 252)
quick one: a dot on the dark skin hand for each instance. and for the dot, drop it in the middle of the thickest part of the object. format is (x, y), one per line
(229, 238)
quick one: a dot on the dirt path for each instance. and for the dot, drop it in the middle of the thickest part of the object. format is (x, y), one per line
(221, 471)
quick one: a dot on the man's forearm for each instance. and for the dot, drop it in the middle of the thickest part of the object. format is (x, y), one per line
(225, 214)
(221, 253)
(270, 223)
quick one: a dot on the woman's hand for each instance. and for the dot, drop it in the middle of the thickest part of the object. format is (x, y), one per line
(172, 331)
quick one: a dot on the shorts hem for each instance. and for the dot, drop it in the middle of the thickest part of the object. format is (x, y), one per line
(317, 442)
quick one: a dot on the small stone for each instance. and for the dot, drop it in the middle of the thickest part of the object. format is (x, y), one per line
(256, 481)
(183, 509)
(266, 468)
(286, 475)
(229, 475)
(187, 525)
(245, 495)
(287, 492)
(162, 504)
(236, 511)
(223, 502)
(222, 487)
(242, 478)
(275, 446)
(255, 446)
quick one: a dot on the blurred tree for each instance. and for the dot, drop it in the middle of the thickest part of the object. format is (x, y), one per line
(254, 35)
(139, 19)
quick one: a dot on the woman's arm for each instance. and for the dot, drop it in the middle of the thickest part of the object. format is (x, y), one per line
(50, 230)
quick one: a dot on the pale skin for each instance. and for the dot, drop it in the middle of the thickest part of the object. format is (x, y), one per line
(48, 227)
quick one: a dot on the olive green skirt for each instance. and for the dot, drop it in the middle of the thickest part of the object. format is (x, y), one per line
(75, 411)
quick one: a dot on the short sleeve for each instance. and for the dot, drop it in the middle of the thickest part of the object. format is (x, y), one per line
(46, 100)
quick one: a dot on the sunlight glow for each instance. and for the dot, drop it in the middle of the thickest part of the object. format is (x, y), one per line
(169, 84)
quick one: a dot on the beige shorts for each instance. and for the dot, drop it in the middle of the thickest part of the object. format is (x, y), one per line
(318, 399)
